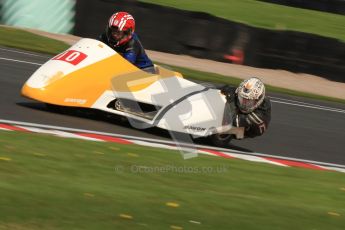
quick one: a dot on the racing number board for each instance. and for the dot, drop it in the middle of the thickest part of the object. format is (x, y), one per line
(71, 56)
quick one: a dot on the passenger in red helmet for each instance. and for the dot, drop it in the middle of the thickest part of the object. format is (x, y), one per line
(119, 35)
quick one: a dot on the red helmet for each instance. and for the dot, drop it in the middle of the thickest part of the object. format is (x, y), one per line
(120, 28)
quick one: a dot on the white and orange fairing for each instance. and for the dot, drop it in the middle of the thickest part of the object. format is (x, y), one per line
(78, 76)
(92, 75)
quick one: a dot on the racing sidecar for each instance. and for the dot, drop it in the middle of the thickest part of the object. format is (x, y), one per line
(92, 75)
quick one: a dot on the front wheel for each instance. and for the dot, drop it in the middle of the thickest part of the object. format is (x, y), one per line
(220, 140)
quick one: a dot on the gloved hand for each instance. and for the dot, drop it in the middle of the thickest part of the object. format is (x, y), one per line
(229, 92)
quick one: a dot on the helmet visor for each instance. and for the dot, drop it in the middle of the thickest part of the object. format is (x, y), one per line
(246, 105)
(116, 34)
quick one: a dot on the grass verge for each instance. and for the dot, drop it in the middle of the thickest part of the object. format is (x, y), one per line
(48, 182)
(21, 39)
(267, 15)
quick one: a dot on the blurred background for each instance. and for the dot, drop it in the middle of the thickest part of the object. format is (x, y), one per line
(299, 36)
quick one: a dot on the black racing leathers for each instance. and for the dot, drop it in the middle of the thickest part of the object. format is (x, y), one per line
(256, 122)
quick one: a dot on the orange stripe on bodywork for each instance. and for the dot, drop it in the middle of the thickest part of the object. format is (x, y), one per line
(84, 86)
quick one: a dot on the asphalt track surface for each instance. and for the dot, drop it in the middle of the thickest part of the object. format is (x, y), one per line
(300, 128)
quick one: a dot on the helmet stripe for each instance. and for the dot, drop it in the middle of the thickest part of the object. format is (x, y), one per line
(122, 23)
(120, 19)
(125, 19)
(111, 21)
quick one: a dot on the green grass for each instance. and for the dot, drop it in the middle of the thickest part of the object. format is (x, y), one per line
(29, 41)
(48, 182)
(266, 15)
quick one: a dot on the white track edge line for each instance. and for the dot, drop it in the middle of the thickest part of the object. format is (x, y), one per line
(311, 107)
(15, 60)
(22, 52)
